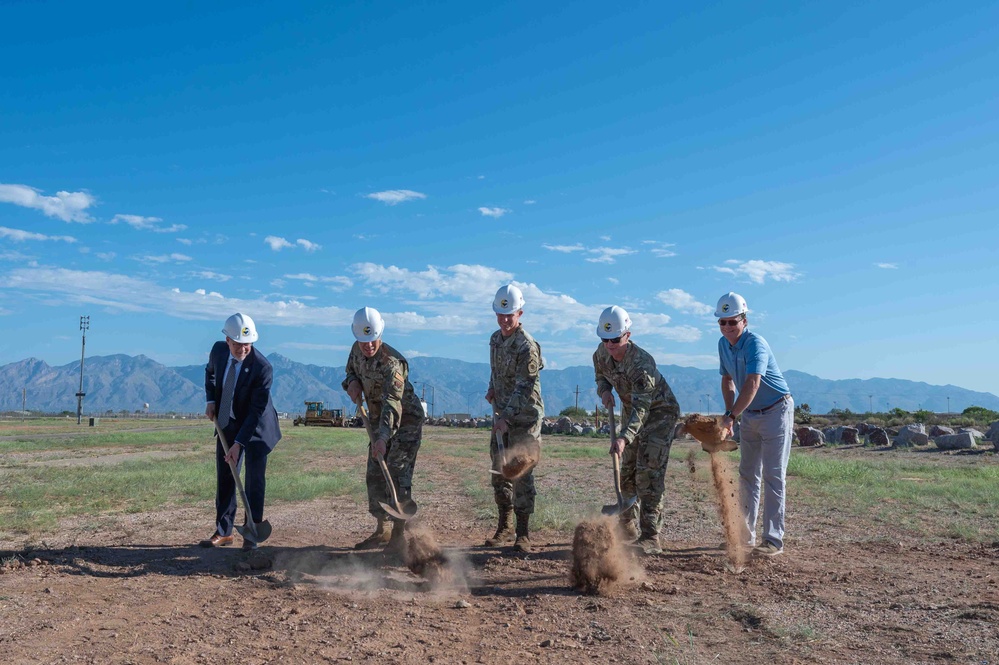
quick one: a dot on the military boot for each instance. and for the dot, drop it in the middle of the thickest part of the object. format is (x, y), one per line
(378, 539)
(504, 528)
(523, 543)
(649, 543)
(629, 532)
(396, 547)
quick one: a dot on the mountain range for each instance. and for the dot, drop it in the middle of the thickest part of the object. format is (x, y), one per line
(120, 382)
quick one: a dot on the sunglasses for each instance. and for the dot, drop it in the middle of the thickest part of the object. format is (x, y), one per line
(728, 322)
(616, 340)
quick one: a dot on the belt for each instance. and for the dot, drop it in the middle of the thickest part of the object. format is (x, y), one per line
(783, 399)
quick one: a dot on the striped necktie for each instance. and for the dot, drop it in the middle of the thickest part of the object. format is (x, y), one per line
(225, 404)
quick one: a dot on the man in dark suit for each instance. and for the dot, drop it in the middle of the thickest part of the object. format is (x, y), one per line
(238, 393)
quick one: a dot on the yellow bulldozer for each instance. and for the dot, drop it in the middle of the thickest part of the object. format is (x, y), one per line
(316, 415)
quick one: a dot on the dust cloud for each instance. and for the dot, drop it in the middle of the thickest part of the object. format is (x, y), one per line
(600, 561)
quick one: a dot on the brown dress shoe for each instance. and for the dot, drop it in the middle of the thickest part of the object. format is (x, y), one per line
(217, 540)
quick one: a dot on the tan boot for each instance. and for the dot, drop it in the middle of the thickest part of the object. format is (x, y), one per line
(504, 529)
(629, 532)
(396, 547)
(523, 543)
(377, 539)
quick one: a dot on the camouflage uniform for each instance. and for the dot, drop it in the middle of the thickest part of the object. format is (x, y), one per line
(515, 362)
(649, 414)
(395, 414)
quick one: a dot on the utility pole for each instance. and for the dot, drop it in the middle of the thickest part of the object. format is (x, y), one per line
(84, 326)
(24, 402)
(870, 401)
(948, 405)
(577, 397)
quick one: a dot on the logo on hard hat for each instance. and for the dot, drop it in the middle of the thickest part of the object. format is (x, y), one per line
(245, 330)
(725, 307)
(367, 330)
(607, 326)
(504, 303)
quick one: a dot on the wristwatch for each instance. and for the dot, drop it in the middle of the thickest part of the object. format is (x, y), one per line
(728, 414)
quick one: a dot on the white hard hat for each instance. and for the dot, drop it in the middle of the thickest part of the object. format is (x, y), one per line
(613, 322)
(731, 304)
(240, 328)
(368, 324)
(508, 300)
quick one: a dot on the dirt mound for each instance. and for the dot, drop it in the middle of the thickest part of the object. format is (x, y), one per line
(599, 560)
(522, 456)
(708, 430)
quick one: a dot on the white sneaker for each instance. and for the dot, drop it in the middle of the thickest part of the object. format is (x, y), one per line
(768, 549)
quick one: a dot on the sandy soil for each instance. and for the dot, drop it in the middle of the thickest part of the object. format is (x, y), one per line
(135, 589)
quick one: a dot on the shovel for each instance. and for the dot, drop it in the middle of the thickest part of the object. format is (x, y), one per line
(396, 510)
(254, 532)
(622, 504)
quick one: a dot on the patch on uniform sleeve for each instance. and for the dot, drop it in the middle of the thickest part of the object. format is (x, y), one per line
(399, 380)
(532, 366)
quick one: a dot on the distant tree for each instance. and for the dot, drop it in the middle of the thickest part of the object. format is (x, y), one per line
(803, 413)
(980, 412)
(898, 413)
(922, 415)
(574, 412)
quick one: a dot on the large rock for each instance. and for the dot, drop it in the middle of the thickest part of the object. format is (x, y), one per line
(563, 425)
(588, 430)
(809, 436)
(973, 432)
(849, 436)
(940, 430)
(577, 430)
(911, 435)
(993, 433)
(831, 434)
(866, 428)
(959, 441)
(878, 437)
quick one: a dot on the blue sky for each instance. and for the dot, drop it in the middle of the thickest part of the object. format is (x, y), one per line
(835, 163)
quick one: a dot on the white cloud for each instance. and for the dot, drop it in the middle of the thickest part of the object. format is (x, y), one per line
(164, 258)
(495, 213)
(67, 206)
(336, 283)
(214, 276)
(185, 241)
(705, 361)
(276, 243)
(17, 235)
(395, 196)
(146, 223)
(529, 202)
(887, 266)
(105, 256)
(308, 245)
(681, 333)
(758, 271)
(412, 353)
(660, 249)
(683, 301)
(608, 254)
(565, 249)
(614, 280)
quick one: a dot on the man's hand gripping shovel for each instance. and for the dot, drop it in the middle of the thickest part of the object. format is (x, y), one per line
(254, 532)
(396, 510)
(622, 504)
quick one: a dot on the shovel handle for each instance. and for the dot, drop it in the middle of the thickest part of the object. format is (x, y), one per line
(251, 525)
(381, 460)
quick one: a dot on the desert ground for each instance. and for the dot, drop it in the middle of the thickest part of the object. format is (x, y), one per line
(868, 575)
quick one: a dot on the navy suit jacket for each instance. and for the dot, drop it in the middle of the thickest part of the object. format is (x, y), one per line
(255, 420)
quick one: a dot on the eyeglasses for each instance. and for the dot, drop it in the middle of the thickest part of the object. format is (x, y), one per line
(616, 340)
(728, 322)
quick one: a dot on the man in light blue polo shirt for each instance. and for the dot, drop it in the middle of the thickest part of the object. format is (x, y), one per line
(764, 403)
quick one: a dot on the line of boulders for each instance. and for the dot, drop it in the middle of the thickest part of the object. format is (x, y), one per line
(561, 425)
(908, 436)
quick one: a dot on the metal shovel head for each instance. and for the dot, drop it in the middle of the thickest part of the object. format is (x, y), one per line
(618, 508)
(408, 511)
(263, 532)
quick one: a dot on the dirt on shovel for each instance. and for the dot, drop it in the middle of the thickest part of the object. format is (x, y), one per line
(522, 455)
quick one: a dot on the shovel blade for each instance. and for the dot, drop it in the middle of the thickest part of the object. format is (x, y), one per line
(618, 508)
(256, 535)
(408, 511)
